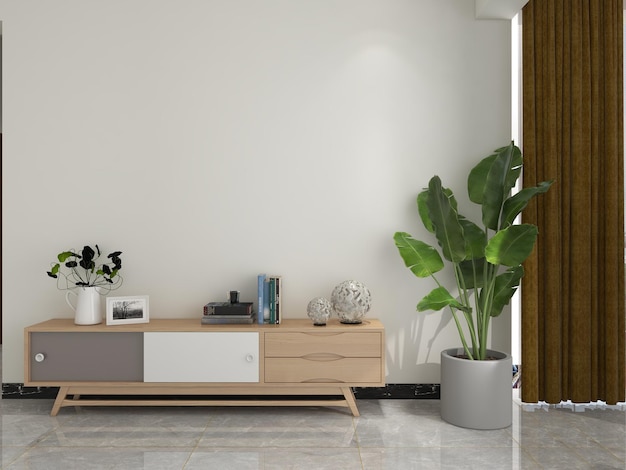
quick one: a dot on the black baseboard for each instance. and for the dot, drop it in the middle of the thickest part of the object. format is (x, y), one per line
(20, 391)
(391, 391)
(399, 391)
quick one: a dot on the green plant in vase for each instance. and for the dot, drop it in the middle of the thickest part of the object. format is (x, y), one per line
(85, 269)
(484, 258)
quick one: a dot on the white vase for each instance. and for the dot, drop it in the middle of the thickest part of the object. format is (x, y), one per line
(88, 308)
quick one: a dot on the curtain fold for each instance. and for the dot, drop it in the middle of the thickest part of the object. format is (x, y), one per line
(573, 292)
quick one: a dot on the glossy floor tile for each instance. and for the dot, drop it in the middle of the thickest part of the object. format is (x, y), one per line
(389, 434)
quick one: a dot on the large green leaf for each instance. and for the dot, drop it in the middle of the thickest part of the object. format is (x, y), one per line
(517, 203)
(422, 259)
(443, 215)
(422, 209)
(478, 178)
(472, 272)
(505, 286)
(438, 299)
(475, 239)
(515, 168)
(511, 246)
(475, 242)
(497, 187)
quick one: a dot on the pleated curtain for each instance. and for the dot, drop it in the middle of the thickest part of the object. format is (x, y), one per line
(573, 291)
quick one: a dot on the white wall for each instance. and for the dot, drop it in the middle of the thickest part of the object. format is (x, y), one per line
(213, 140)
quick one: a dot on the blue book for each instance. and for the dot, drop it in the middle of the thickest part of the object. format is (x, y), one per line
(262, 297)
(266, 300)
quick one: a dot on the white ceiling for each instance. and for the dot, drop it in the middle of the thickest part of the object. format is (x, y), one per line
(498, 9)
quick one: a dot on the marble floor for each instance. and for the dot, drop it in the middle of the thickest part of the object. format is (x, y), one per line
(389, 434)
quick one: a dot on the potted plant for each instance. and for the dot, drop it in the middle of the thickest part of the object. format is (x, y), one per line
(486, 262)
(81, 270)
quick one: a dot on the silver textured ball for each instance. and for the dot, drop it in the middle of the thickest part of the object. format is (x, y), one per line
(351, 300)
(319, 310)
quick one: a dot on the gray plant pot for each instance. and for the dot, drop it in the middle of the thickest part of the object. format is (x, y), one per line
(476, 394)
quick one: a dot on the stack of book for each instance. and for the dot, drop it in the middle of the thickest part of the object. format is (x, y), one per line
(224, 313)
(270, 291)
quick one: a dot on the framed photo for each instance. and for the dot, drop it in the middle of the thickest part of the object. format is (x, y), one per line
(129, 309)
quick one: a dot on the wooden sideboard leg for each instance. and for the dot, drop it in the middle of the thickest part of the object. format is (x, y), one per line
(59, 400)
(349, 396)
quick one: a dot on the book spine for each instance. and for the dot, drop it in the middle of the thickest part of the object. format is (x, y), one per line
(226, 321)
(232, 310)
(232, 317)
(261, 294)
(266, 301)
(279, 298)
(272, 301)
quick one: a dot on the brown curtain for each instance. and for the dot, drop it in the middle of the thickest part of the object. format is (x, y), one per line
(573, 291)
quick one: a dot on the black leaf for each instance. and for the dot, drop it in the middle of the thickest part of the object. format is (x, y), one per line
(72, 264)
(88, 253)
(117, 261)
(87, 264)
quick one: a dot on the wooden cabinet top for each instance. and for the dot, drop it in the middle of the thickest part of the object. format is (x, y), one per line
(193, 324)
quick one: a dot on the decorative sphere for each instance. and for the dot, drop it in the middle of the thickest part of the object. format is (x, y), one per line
(351, 300)
(319, 310)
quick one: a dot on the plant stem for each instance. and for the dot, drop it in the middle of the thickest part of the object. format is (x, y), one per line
(487, 301)
(461, 334)
(456, 320)
(465, 301)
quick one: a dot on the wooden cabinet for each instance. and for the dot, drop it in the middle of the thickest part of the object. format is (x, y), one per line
(184, 358)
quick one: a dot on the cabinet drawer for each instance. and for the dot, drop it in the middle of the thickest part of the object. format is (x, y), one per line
(344, 344)
(323, 370)
(101, 357)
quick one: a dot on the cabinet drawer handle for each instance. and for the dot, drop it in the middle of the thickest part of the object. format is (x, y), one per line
(323, 357)
(249, 358)
(39, 357)
(321, 380)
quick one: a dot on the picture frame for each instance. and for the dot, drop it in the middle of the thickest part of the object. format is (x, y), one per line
(127, 309)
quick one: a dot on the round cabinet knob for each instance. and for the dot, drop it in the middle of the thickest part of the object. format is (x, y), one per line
(249, 358)
(39, 357)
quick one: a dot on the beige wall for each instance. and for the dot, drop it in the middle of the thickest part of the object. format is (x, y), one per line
(213, 140)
